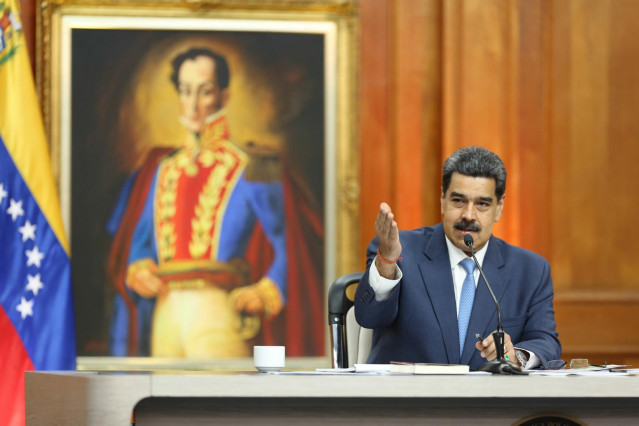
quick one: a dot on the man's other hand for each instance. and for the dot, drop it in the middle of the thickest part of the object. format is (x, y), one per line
(489, 350)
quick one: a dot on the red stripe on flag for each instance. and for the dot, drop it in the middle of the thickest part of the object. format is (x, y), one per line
(14, 361)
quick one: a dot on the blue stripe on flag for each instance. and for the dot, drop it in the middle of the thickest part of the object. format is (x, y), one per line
(35, 274)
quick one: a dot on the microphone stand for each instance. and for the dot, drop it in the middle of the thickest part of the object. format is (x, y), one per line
(499, 365)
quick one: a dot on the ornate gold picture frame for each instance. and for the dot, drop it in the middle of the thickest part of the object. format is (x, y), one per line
(103, 70)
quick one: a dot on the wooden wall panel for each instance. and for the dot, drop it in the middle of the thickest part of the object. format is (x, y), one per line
(374, 110)
(595, 64)
(431, 116)
(478, 74)
(582, 157)
(400, 125)
(409, 83)
(595, 99)
(530, 138)
(599, 326)
(27, 16)
(623, 139)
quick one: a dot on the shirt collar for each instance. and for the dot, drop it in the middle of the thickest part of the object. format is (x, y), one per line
(456, 255)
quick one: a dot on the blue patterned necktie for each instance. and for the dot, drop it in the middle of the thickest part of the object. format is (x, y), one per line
(466, 301)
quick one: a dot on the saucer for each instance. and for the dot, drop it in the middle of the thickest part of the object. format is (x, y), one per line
(267, 369)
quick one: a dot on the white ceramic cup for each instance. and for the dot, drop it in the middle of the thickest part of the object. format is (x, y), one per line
(269, 358)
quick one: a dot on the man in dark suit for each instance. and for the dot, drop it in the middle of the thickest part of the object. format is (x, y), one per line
(418, 293)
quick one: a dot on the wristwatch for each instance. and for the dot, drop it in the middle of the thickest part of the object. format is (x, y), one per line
(522, 357)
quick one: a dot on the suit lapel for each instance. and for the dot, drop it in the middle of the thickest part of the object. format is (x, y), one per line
(438, 280)
(484, 309)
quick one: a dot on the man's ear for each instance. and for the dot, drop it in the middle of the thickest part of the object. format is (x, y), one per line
(500, 208)
(441, 202)
(224, 96)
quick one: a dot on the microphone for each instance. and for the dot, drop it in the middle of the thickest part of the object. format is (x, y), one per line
(499, 365)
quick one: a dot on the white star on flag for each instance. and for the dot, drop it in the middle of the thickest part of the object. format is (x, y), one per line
(3, 193)
(34, 257)
(25, 307)
(27, 231)
(15, 209)
(34, 285)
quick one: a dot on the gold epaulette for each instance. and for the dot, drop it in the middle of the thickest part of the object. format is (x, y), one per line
(264, 163)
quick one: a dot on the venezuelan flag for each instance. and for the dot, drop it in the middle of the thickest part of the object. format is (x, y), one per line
(37, 330)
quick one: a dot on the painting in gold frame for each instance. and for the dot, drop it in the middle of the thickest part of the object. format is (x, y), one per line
(103, 72)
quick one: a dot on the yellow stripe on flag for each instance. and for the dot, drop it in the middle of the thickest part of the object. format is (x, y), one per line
(20, 120)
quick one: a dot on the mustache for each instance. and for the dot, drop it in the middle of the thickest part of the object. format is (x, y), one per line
(464, 225)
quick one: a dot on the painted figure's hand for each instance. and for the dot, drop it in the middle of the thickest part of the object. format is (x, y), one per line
(389, 246)
(247, 299)
(261, 298)
(489, 350)
(141, 278)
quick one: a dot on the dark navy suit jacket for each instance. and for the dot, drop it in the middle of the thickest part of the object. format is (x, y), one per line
(418, 321)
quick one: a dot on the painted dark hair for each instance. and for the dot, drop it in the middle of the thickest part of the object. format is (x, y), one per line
(221, 66)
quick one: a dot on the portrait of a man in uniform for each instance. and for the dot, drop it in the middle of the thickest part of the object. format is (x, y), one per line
(211, 235)
(188, 244)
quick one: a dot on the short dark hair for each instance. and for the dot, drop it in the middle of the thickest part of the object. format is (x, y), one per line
(221, 66)
(475, 161)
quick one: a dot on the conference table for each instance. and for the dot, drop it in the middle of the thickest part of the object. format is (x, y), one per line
(245, 397)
